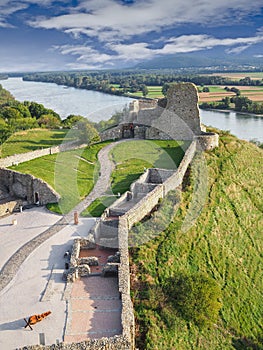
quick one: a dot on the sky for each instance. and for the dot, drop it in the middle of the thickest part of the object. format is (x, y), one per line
(46, 35)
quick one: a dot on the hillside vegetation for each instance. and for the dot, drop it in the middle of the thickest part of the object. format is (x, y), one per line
(224, 246)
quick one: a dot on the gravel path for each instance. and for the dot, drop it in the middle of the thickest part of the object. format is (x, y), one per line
(12, 266)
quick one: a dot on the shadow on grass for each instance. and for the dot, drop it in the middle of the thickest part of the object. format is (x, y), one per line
(245, 343)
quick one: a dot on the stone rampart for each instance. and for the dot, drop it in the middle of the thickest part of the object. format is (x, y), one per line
(144, 206)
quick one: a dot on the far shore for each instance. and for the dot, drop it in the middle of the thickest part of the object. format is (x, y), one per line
(232, 110)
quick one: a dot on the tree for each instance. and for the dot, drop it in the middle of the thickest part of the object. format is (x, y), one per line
(72, 120)
(196, 298)
(87, 132)
(165, 88)
(206, 89)
(49, 121)
(144, 90)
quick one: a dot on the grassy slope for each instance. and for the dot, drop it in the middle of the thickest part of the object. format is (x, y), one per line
(72, 174)
(33, 139)
(225, 243)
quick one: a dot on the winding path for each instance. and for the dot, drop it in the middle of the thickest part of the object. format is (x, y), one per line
(13, 264)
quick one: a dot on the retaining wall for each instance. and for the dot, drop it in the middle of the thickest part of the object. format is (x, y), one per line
(25, 157)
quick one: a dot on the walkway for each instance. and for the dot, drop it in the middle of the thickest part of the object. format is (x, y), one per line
(30, 280)
(12, 265)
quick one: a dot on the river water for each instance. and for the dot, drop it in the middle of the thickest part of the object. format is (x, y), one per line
(97, 106)
(64, 100)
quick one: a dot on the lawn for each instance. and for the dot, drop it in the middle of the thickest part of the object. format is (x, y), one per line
(33, 139)
(225, 243)
(72, 174)
(131, 159)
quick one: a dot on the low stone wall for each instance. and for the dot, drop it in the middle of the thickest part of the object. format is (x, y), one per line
(111, 134)
(25, 157)
(144, 206)
(114, 343)
(27, 187)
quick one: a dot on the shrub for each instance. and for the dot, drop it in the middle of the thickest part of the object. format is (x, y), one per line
(195, 297)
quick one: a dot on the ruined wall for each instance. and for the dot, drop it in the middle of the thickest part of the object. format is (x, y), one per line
(114, 343)
(25, 157)
(111, 134)
(207, 141)
(182, 99)
(25, 187)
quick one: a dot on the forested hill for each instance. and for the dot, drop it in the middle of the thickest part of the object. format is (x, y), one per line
(223, 248)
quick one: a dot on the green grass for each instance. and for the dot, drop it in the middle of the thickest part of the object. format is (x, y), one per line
(225, 243)
(131, 159)
(30, 140)
(98, 206)
(72, 174)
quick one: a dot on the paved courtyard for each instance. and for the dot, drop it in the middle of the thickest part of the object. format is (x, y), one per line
(95, 309)
(38, 286)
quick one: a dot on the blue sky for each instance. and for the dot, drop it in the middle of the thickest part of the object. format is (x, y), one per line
(40, 35)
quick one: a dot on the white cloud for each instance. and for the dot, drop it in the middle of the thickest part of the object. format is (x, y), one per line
(86, 55)
(109, 20)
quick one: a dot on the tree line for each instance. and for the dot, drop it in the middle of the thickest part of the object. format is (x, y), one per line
(124, 82)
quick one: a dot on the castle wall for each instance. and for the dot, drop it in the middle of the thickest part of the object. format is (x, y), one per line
(27, 187)
(25, 157)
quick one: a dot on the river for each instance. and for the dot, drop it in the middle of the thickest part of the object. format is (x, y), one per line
(65, 100)
(97, 106)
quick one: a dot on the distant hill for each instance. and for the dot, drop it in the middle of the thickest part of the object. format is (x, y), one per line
(201, 61)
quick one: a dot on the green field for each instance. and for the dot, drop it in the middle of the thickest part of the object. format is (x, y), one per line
(72, 174)
(131, 159)
(31, 140)
(225, 244)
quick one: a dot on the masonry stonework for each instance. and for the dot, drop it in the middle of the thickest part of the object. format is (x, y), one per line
(176, 117)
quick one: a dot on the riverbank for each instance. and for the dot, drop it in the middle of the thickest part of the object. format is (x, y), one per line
(231, 111)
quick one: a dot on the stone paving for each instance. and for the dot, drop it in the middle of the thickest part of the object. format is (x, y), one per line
(95, 309)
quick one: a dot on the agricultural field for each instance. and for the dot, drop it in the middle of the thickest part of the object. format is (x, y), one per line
(33, 139)
(224, 244)
(239, 75)
(216, 93)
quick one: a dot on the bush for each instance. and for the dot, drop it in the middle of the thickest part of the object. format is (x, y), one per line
(196, 298)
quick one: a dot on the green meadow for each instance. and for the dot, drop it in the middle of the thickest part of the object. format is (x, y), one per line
(34, 139)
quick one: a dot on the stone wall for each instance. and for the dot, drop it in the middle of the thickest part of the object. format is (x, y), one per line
(111, 134)
(114, 343)
(207, 141)
(25, 157)
(27, 187)
(174, 118)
